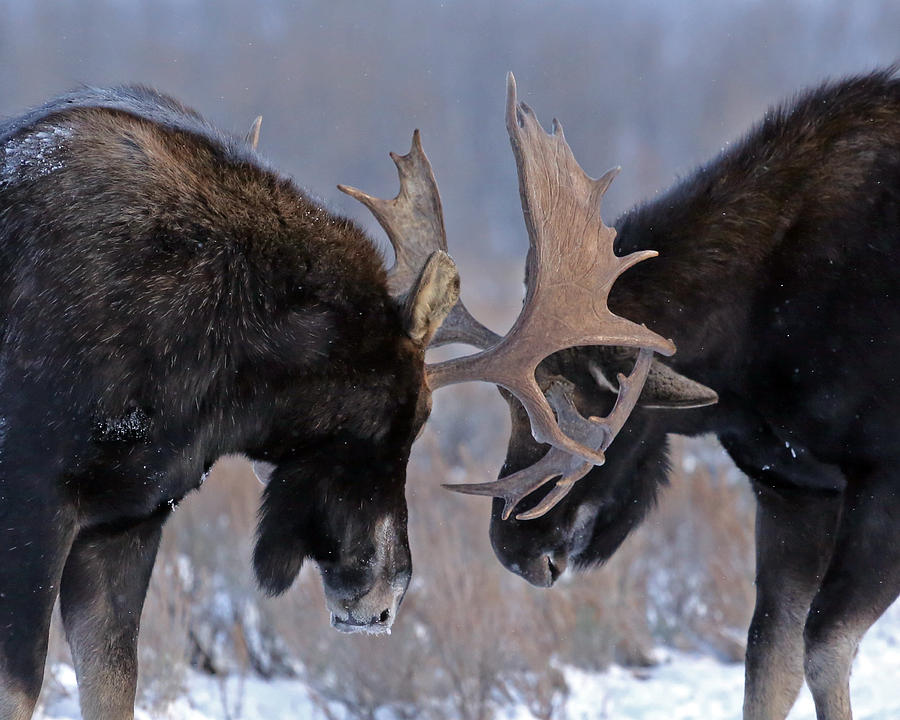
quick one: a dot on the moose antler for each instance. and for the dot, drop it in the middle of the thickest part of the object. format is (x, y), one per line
(571, 268)
(252, 136)
(592, 432)
(414, 223)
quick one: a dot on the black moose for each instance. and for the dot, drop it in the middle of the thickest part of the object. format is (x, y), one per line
(778, 280)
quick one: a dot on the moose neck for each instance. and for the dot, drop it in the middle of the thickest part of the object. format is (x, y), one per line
(292, 313)
(713, 232)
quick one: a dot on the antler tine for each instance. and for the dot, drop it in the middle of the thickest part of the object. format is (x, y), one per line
(593, 432)
(414, 223)
(571, 268)
(252, 137)
(556, 463)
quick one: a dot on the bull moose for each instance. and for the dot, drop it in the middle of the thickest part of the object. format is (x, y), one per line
(166, 298)
(778, 279)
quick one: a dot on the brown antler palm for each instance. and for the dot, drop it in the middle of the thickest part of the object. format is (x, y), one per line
(414, 223)
(571, 268)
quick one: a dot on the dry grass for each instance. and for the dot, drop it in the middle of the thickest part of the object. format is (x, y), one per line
(701, 545)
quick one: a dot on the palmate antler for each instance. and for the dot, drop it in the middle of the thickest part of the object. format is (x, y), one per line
(414, 223)
(570, 270)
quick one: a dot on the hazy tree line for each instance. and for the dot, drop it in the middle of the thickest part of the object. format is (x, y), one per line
(653, 86)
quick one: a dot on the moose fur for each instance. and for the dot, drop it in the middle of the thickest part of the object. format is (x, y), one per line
(166, 299)
(778, 280)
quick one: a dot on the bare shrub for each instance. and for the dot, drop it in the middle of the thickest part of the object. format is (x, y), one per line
(163, 645)
(608, 611)
(701, 542)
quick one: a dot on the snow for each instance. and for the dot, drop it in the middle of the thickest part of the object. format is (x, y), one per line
(3, 422)
(682, 687)
(210, 698)
(33, 155)
(135, 425)
(689, 687)
(3, 426)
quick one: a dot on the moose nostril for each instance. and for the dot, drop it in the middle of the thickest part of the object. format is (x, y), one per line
(384, 616)
(555, 570)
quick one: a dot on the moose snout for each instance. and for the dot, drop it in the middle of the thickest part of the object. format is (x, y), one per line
(372, 613)
(364, 590)
(543, 570)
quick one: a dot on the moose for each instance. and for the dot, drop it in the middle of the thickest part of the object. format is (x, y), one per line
(167, 298)
(777, 279)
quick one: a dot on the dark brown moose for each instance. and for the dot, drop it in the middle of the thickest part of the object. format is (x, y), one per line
(778, 278)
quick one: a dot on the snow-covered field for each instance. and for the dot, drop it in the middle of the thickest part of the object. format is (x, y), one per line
(681, 687)
(687, 687)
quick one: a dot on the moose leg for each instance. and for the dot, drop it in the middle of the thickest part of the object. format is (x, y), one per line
(862, 580)
(101, 598)
(794, 532)
(34, 540)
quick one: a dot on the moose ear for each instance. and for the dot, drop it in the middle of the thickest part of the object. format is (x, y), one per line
(664, 388)
(431, 298)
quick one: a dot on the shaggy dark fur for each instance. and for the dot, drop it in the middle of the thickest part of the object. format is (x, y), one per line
(165, 299)
(778, 280)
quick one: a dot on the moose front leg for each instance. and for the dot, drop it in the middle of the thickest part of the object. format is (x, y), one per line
(794, 532)
(34, 538)
(101, 598)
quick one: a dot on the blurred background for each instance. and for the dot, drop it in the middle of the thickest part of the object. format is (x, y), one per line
(656, 87)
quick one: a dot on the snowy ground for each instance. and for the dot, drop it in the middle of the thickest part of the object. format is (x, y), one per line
(209, 699)
(682, 687)
(699, 688)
